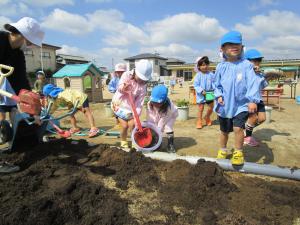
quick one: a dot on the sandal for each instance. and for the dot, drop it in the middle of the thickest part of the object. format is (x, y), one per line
(74, 130)
(93, 132)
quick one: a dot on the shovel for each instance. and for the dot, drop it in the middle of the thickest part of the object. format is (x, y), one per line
(143, 136)
(62, 133)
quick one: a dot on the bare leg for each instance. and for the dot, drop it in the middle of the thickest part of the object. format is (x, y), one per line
(261, 117)
(73, 121)
(131, 125)
(223, 140)
(124, 129)
(200, 112)
(238, 138)
(88, 113)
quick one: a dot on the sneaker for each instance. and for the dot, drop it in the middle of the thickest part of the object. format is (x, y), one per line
(171, 148)
(199, 124)
(250, 141)
(8, 168)
(222, 154)
(237, 158)
(125, 146)
(93, 132)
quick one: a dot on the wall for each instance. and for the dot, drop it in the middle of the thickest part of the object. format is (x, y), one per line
(33, 59)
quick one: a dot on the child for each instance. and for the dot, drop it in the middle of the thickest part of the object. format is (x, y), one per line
(70, 98)
(203, 82)
(120, 68)
(133, 81)
(163, 113)
(254, 119)
(40, 82)
(236, 92)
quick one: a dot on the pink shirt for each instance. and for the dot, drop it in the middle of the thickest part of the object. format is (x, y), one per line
(164, 121)
(121, 99)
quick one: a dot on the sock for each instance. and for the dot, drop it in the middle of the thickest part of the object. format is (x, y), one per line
(170, 136)
(249, 129)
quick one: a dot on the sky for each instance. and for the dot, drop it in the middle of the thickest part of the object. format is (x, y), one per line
(107, 31)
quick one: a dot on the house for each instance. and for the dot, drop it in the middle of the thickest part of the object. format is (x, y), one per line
(173, 61)
(159, 64)
(63, 59)
(34, 55)
(82, 77)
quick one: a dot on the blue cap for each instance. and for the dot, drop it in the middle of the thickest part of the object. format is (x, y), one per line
(159, 94)
(51, 90)
(253, 54)
(234, 37)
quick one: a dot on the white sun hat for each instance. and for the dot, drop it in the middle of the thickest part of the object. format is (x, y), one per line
(120, 67)
(29, 28)
(143, 69)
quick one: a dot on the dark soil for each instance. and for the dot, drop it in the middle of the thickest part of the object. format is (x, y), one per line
(65, 183)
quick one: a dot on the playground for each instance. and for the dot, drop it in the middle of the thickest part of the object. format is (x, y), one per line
(91, 181)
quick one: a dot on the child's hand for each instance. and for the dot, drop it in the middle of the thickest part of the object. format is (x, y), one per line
(252, 107)
(203, 92)
(220, 100)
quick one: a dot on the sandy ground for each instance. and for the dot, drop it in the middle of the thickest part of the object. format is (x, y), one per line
(279, 140)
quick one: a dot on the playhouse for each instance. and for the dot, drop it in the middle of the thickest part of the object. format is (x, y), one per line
(83, 77)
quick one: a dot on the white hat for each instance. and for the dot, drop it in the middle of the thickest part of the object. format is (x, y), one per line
(120, 67)
(29, 28)
(143, 69)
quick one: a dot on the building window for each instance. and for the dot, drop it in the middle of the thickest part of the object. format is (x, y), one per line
(179, 73)
(28, 52)
(46, 54)
(156, 61)
(188, 75)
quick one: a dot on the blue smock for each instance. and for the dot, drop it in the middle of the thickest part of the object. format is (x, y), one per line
(236, 83)
(262, 83)
(113, 84)
(3, 99)
(203, 82)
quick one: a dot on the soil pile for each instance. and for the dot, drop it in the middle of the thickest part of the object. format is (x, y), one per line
(66, 183)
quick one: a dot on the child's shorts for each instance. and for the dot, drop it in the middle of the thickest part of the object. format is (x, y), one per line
(206, 102)
(86, 104)
(122, 113)
(227, 124)
(261, 107)
(7, 108)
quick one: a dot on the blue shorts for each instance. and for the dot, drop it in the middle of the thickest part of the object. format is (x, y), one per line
(85, 104)
(227, 124)
(7, 108)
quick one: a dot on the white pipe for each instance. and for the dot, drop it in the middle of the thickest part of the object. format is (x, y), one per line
(254, 168)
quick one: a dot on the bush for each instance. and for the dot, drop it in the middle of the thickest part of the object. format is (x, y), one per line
(182, 103)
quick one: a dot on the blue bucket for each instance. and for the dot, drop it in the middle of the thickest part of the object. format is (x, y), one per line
(298, 100)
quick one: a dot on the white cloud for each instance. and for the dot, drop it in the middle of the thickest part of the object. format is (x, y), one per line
(275, 23)
(47, 3)
(103, 56)
(185, 27)
(280, 47)
(3, 2)
(262, 3)
(67, 22)
(4, 20)
(172, 50)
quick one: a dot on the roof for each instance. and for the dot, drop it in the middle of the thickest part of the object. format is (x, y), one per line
(146, 56)
(76, 70)
(44, 45)
(71, 57)
(173, 60)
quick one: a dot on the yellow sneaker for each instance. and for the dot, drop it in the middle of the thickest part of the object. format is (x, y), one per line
(237, 158)
(125, 146)
(222, 154)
